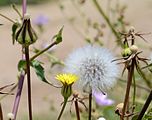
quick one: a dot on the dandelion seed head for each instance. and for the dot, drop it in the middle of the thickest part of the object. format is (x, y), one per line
(94, 66)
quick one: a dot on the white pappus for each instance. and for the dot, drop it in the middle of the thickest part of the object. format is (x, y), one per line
(94, 66)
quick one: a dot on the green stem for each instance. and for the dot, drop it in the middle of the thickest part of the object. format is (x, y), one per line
(63, 107)
(90, 106)
(134, 92)
(17, 11)
(108, 21)
(7, 18)
(28, 81)
(77, 110)
(42, 51)
(129, 81)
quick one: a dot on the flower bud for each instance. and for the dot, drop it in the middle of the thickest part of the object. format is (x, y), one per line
(133, 48)
(26, 35)
(126, 52)
(66, 91)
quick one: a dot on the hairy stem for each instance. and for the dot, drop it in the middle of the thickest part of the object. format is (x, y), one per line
(90, 106)
(63, 107)
(148, 101)
(18, 94)
(77, 110)
(108, 21)
(28, 81)
(129, 82)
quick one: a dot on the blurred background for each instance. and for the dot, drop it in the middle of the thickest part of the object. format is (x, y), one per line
(75, 17)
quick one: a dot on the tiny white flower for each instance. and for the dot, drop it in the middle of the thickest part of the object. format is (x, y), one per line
(101, 118)
(94, 66)
(10, 116)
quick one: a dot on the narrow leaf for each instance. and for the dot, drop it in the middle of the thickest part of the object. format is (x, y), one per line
(14, 28)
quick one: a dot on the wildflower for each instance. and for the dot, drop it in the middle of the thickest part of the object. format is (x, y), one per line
(102, 99)
(94, 66)
(67, 80)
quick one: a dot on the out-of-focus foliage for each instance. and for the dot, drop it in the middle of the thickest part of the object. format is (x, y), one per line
(8, 2)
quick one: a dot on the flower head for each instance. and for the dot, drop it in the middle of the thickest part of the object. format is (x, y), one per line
(67, 79)
(94, 66)
(102, 99)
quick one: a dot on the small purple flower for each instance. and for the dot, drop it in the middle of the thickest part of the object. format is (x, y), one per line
(102, 99)
(41, 20)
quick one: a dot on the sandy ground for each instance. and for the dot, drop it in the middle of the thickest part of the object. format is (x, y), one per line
(139, 14)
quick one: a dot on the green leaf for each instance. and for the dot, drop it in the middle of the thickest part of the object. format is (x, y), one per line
(14, 28)
(58, 36)
(39, 70)
(21, 65)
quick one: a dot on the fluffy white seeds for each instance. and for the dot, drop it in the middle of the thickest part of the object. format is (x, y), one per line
(94, 66)
(10, 116)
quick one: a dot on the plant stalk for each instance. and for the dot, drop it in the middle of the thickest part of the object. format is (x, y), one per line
(44, 50)
(77, 110)
(90, 106)
(28, 81)
(147, 103)
(1, 112)
(18, 94)
(108, 21)
(63, 107)
(129, 82)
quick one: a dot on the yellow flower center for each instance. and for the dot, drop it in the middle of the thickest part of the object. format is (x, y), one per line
(67, 79)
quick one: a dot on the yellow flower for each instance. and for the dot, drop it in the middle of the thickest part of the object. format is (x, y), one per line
(67, 79)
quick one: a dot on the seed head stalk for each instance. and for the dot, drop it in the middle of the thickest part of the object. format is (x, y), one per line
(129, 82)
(90, 105)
